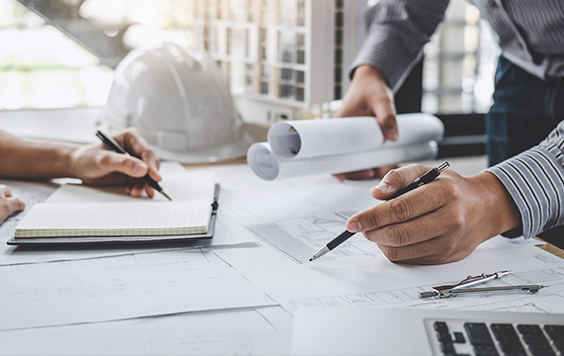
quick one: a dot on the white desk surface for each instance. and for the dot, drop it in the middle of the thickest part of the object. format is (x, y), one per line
(299, 212)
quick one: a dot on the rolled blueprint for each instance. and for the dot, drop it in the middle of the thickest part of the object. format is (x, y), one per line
(268, 166)
(324, 137)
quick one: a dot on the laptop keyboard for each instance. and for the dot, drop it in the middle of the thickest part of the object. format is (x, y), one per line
(459, 337)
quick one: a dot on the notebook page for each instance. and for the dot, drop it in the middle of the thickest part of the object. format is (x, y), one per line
(115, 219)
(181, 187)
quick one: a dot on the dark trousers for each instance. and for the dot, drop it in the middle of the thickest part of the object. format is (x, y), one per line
(524, 112)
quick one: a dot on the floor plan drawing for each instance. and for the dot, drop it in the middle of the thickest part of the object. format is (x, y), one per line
(301, 237)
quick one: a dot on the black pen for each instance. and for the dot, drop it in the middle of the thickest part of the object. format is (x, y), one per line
(111, 144)
(424, 179)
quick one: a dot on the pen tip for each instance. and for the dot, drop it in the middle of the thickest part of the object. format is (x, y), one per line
(166, 195)
(311, 259)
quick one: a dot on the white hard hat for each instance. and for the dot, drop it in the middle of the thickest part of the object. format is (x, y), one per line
(179, 101)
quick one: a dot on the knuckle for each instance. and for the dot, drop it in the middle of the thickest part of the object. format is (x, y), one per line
(383, 100)
(449, 249)
(395, 176)
(451, 191)
(456, 222)
(398, 236)
(148, 155)
(370, 220)
(104, 158)
(400, 210)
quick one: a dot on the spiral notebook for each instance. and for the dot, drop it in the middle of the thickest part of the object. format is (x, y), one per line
(77, 214)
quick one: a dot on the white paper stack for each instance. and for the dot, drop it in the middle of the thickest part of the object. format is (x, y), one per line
(307, 147)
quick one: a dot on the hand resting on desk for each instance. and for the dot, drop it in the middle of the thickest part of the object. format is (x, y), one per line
(8, 204)
(440, 222)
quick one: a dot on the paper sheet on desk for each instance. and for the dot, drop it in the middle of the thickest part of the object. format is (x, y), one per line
(249, 331)
(180, 184)
(371, 280)
(120, 287)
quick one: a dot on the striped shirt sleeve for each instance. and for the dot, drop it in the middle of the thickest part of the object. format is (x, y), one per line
(535, 181)
(397, 31)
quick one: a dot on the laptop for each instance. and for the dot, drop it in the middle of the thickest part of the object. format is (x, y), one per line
(375, 331)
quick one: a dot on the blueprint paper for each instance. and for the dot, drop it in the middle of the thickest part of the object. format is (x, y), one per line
(369, 279)
(326, 137)
(248, 331)
(119, 287)
(290, 216)
(268, 166)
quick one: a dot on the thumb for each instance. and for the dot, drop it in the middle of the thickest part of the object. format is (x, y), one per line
(128, 165)
(385, 112)
(397, 179)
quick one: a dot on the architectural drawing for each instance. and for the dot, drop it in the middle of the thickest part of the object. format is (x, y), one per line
(299, 238)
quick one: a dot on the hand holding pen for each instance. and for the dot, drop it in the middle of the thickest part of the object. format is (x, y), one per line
(440, 222)
(121, 168)
(419, 181)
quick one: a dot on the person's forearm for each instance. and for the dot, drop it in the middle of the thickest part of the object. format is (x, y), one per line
(23, 158)
(397, 31)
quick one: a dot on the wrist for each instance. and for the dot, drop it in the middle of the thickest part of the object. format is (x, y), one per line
(501, 212)
(69, 158)
(368, 71)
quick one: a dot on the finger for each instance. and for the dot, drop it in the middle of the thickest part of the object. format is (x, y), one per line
(420, 229)
(128, 165)
(385, 112)
(406, 207)
(397, 179)
(153, 173)
(149, 190)
(138, 146)
(436, 251)
(137, 189)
